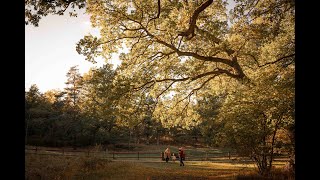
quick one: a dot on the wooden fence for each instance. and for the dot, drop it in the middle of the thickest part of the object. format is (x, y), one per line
(120, 155)
(106, 154)
(134, 155)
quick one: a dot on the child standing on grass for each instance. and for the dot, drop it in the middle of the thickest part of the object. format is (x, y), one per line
(173, 157)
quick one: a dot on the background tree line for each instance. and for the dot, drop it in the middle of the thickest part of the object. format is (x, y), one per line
(89, 111)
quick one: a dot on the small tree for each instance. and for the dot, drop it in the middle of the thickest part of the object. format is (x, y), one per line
(37, 111)
(73, 89)
(208, 109)
(253, 117)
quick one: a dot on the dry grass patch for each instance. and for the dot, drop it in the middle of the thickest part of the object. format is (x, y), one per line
(94, 168)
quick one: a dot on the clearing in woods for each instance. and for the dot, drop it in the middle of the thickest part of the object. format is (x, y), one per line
(46, 166)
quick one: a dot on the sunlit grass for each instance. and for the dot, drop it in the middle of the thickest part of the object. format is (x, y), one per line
(49, 165)
(82, 167)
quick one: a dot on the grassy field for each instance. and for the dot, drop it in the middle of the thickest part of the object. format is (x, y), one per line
(53, 166)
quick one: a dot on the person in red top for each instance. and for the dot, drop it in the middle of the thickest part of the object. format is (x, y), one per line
(181, 156)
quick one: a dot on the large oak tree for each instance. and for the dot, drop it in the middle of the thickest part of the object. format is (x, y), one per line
(186, 44)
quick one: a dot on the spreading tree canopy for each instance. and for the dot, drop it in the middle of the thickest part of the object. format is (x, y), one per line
(183, 46)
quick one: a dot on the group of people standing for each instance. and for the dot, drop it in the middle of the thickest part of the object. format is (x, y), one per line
(181, 155)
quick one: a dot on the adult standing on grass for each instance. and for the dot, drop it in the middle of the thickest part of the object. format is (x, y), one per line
(181, 156)
(167, 154)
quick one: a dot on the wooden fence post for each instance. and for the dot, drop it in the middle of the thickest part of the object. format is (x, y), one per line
(138, 155)
(229, 155)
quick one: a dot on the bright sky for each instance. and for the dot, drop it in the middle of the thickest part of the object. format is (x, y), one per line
(50, 50)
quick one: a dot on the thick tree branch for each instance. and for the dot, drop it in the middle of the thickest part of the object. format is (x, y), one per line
(159, 10)
(195, 55)
(268, 63)
(205, 58)
(233, 64)
(253, 57)
(194, 18)
(215, 73)
(273, 62)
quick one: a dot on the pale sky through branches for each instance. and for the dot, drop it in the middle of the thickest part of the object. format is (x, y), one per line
(50, 50)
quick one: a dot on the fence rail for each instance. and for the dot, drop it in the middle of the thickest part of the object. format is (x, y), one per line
(112, 154)
(131, 155)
